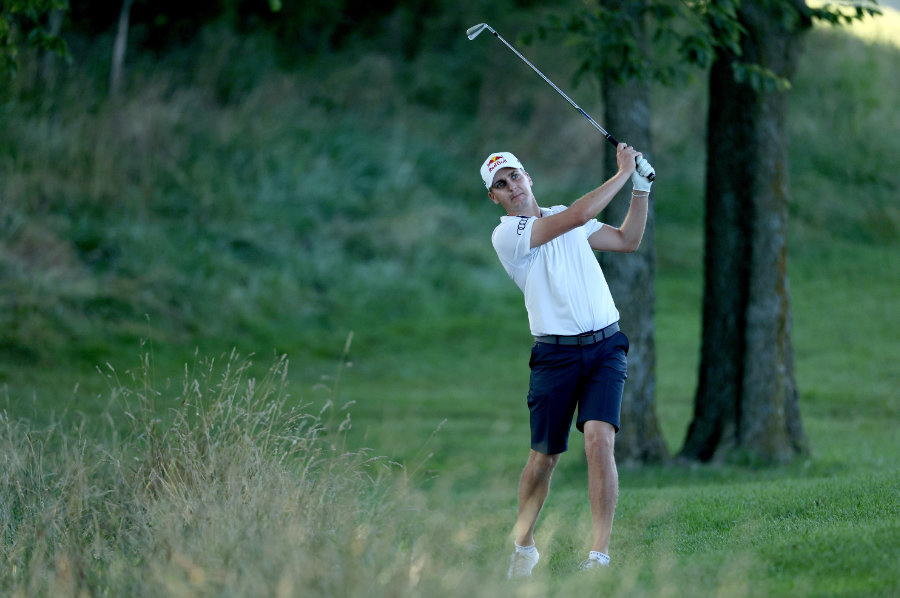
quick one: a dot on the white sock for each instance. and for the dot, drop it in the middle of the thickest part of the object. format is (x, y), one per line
(531, 548)
(599, 556)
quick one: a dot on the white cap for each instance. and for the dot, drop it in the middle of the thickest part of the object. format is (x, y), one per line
(495, 162)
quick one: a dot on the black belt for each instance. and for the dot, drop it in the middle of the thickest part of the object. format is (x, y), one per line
(589, 338)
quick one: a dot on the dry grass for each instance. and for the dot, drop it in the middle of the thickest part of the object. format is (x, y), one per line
(233, 493)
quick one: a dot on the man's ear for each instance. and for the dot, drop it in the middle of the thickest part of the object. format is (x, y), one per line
(493, 199)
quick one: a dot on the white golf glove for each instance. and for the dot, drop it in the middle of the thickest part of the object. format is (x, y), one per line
(639, 180)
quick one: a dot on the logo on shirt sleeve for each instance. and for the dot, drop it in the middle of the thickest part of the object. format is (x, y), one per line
(523, 222)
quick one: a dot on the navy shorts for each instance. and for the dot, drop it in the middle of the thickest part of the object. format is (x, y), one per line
(590, 378)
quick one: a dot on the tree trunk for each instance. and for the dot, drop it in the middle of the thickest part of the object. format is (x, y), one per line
(50, 59)
(746, 404)
(630, 276)
(119, 47)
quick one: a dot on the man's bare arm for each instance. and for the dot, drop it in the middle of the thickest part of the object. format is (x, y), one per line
(589, 205)
(628, 237)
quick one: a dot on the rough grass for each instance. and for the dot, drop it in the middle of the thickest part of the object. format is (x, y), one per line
(229, 491)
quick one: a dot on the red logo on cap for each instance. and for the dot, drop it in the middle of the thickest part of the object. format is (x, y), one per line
(495, 162)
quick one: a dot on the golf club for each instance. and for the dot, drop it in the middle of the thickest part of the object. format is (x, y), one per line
(473, 32)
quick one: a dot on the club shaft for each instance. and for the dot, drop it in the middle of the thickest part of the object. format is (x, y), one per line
(476, 30)
(558, 90)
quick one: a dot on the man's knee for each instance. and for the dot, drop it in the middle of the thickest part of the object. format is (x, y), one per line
(542, 465)
(599, 439)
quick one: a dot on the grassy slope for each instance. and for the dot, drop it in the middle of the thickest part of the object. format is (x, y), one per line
(401, 259)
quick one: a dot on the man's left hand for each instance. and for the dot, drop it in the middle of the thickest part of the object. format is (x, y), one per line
(639, 178)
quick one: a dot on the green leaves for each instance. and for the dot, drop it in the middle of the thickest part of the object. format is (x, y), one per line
(663, 40)
(697, 49)
(759, 77)
(26, 18)
(845, 14)
(611, 40)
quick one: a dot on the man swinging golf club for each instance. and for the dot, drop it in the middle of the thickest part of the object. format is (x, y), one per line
(578, 361)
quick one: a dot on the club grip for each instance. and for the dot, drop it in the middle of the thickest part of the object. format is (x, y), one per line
(615, 142)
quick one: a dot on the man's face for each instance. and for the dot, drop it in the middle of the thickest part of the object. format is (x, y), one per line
(512, 190)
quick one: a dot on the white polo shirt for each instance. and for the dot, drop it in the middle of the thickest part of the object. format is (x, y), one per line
(565, 290)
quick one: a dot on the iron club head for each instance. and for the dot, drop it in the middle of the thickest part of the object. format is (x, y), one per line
(473, 31)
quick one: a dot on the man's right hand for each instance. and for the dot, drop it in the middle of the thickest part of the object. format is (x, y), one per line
(626, 158)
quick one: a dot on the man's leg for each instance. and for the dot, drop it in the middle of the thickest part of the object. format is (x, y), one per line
(533, 489)
(603, 479)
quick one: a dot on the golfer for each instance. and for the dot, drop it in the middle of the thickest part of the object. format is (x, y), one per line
(578, 359)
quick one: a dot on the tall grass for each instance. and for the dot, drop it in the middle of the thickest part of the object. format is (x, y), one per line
(229, 492)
